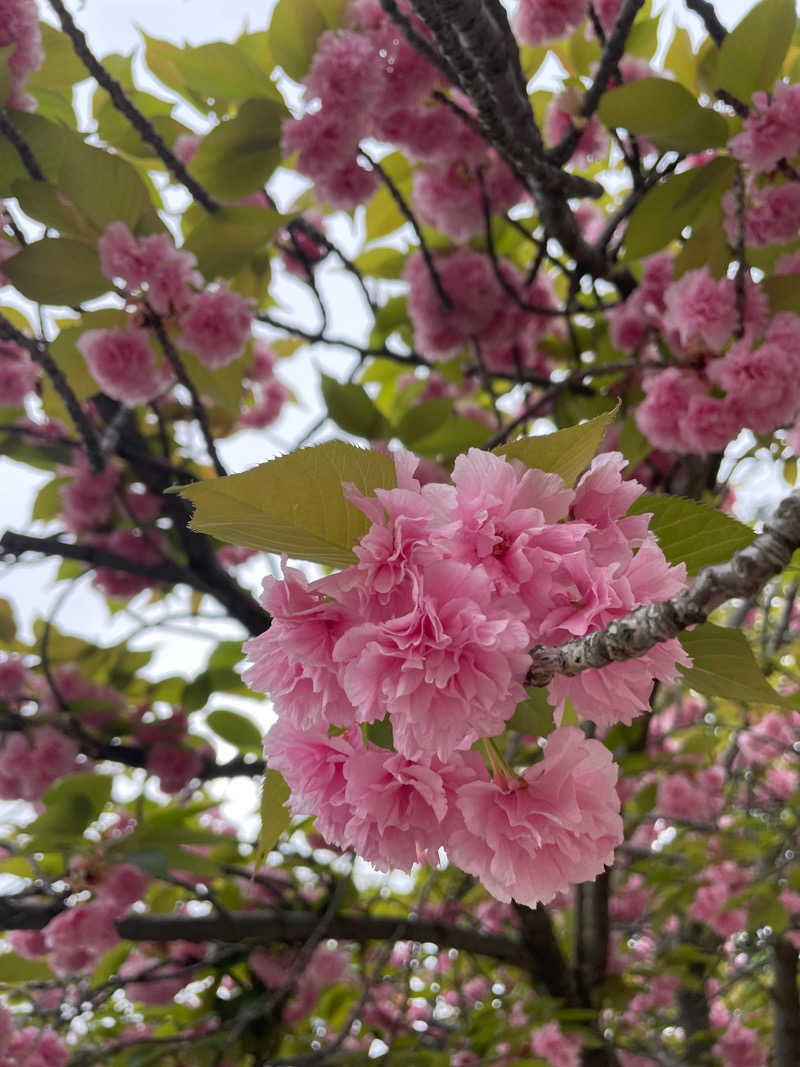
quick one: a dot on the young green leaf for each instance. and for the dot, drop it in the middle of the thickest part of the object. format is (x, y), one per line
(294, 504)
(675, 203)
(58, 271)
(666, 113)
(238, 156)
(234, 728)
(351, 407)
(566, 452)
(752, 54)
(724, 666)
(275, 818)
(692, 533)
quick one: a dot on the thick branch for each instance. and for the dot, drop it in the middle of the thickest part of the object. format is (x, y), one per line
(292, 927)
(746, 573)
(122, 103)
(476, 40)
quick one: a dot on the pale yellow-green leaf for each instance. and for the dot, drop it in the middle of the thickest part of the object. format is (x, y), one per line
(751, 56)
(566, 452)
(293, 33)
(294, 504)
(275, 818)
(57, 271)
(692, 533)
(724, 666)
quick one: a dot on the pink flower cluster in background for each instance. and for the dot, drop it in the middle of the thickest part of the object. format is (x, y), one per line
(429, 634)
(19, 26)
(213, 322)
(29, 1046)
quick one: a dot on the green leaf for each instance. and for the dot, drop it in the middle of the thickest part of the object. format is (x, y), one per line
(352, 408)
(61, 67)
(220, 71)
(46, 140)
(783, 292)
(724, 666)
(71, 805)
(14, 970)
(534, 715)
(225, 241)
(275, 818)
(57, 271)
(239, 155)
(751, 56)
(102, 186)
(43, 202)
(8, 624)
(680, 58)
(48, 503)
(421, 420)
(675, 203)
(666, 113)
(691, 532)
(293, 33)
(235, 729)
(453, 437)
(294, 504)
(567, 452)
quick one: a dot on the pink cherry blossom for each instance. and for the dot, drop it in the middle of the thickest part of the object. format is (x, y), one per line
(549, 1042)
(173, 765)
(313, 765)
(19, 26)
(542, 21)
(771, 130)
(18, 374)
(562, 112)
(700, 310)
(398, 807)
(293, 660)
(124, 364)
(526, 840)
(216, 326)
(87, 498)
(78, 937)
(448, 668)
(133, 545)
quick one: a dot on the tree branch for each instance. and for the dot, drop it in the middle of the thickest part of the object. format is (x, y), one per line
(646, 626)
(40, 353)
(174, 360)
(293, 927)
(706, 11)
(22, 147)
(122, 103)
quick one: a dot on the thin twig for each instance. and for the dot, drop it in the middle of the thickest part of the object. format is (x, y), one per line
(123, 103)
(174, 360)
(409, 216)
(40, 353)
(22, 147)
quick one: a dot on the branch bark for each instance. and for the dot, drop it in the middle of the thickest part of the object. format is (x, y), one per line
(706, 11)
(786, 1001)
(746, 573)
(293, 927)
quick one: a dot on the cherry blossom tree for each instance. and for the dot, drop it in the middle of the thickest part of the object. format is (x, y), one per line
(503, 635)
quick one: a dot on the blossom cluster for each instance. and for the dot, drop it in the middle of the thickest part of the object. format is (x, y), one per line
(428, 634)
(214, 323)
(29, 1046)
(19, 28)
(734, 367)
